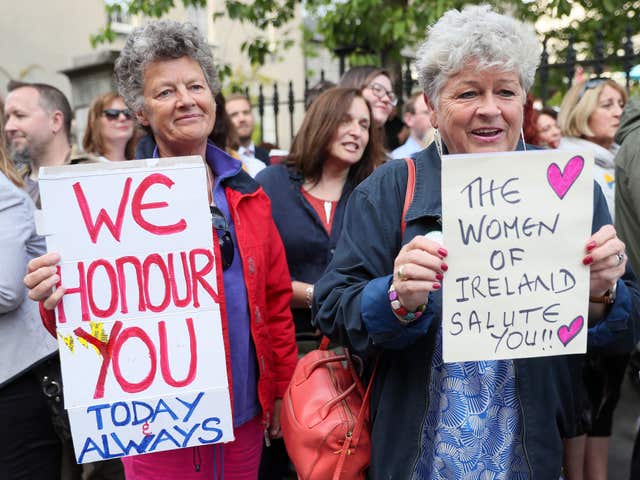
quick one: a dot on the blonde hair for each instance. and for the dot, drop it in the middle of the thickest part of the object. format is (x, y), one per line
(93, 141)
(6, 164)
(578, 105)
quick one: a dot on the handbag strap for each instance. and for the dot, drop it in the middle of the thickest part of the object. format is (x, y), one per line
(411, 187)
(354, 438)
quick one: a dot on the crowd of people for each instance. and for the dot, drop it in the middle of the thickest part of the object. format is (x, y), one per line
(318, 231)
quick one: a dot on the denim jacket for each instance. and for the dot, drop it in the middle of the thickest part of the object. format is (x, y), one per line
(351, 299)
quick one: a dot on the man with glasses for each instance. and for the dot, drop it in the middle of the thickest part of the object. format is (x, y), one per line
(418, 119)
(38, 129)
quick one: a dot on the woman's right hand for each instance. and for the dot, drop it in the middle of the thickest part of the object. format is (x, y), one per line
(41, 277)
(417, 270)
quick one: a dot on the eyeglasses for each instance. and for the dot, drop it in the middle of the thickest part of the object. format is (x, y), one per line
(379, 91)
(589, 84)
(224, 236)
(114, 113)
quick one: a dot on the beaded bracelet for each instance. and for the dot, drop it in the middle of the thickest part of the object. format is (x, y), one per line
(404, 315)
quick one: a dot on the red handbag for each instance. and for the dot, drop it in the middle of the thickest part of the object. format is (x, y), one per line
(325, 409)
(325, 417)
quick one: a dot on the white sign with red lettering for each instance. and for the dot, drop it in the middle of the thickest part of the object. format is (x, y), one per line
(139, 327)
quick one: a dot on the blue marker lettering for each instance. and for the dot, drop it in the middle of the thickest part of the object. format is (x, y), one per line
(127, 418)
(190, 406)
(137, 420)
(139, 448)
(163, 407)
(206, 427)
(185, 434)
(97, 409)
(163, 436)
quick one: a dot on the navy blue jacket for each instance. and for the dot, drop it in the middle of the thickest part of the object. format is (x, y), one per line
(351, 298)
(308, 247)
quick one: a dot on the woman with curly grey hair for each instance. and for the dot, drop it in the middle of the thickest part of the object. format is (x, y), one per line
(166, 75)
(501, 419)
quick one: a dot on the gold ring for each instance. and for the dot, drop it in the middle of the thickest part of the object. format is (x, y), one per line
(401, 275)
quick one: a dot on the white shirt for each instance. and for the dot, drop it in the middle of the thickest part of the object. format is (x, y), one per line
(407, 149)
(250, 162)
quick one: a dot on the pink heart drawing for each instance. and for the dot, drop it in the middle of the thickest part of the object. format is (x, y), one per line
(566, 334)
(561, 181)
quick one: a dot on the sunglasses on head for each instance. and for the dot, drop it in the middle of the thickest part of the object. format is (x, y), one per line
(224, 236)
(379, 91)
(114, 113)
(589, 84)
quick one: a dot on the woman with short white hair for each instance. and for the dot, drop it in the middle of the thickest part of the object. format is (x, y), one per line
(502, 419)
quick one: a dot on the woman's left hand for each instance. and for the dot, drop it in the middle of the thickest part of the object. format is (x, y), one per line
(606, 258)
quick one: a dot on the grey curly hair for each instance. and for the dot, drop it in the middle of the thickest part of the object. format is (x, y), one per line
(160, 40)
(479, 35)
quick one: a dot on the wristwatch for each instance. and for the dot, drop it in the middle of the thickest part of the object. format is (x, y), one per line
(608, 298)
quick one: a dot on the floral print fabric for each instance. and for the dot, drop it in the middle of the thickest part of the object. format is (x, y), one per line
(473, 428)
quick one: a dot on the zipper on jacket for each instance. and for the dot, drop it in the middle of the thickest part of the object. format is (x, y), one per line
(422, 422)
(524, 426)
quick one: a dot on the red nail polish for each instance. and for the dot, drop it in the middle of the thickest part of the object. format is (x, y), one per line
(591, 245)
(436, 286)
(439, 276)
(443, 252)
(588, 260)
(444, 267)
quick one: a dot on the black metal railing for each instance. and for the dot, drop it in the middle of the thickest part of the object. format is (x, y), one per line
(563, 70)
(598, 64)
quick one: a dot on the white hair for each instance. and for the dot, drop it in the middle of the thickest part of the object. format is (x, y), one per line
(476, 35)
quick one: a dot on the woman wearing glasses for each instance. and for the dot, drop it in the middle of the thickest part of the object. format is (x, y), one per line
(589, 118)
(110, 133)
(377, 89)
(167, 77)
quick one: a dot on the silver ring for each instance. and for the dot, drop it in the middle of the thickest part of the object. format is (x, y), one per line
(401, 275)
(620, 256)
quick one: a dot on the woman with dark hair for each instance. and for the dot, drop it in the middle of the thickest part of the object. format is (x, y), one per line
(336, 148)
(376, 87)
(110, 133)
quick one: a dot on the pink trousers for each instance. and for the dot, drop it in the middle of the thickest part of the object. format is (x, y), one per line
(238, 460)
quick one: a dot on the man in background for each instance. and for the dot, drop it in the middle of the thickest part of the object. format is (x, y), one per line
(239, 110)
(38, 129)
(418, 119)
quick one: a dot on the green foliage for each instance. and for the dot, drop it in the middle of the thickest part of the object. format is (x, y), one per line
(379, 30)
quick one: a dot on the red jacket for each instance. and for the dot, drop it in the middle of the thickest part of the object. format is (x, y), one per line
(268, 285)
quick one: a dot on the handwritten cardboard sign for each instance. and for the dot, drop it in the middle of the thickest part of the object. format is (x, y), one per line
(139, 328)
(515, 225)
